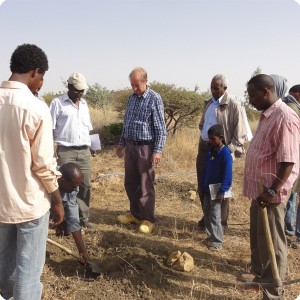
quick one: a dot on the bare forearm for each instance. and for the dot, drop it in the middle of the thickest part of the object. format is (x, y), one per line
(80, 243)
(282, 175)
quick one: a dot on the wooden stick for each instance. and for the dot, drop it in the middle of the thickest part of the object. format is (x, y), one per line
(95, 267)
(269, 242)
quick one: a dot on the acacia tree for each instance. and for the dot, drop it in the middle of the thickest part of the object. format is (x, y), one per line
(98, 96)
(182, 107)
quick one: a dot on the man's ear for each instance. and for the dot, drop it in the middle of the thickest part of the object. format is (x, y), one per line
(35, 72)
(225, 88)
(266, 92)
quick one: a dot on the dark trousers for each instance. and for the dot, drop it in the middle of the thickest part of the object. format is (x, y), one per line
(260, 261)
(82, 159)
(203, 148)
(139, 181)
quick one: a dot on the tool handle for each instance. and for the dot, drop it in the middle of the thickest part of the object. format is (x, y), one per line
(264, 215)
(64, 248)
(270, 247)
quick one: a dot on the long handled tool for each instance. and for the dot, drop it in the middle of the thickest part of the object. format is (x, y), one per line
(269, 243)
(95, 268)
(263, 211)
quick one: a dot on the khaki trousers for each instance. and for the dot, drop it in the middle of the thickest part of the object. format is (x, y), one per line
(260, 262)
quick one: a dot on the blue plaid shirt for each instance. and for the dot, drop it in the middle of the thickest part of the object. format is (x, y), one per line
(144, 120)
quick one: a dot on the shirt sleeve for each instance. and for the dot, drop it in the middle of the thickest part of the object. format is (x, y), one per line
(54, 112)
(159, 125)
(42, 152)
(239, 132)
(227, 173)
(287, 142)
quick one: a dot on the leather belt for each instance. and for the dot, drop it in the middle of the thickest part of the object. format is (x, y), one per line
(139, 142)
(84, 147)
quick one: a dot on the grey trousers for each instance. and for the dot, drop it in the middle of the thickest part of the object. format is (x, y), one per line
(260, 262)
(139, 181)
(82, 159)
(212, 221)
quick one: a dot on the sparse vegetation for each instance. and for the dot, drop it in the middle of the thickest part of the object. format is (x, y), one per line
(136, 264)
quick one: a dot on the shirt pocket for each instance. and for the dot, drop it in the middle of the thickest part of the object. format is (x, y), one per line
(86, 123)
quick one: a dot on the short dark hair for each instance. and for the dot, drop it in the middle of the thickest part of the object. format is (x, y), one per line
(69, 170)
(28, 57)
(216, 130)
(295, 89)
(263, 81)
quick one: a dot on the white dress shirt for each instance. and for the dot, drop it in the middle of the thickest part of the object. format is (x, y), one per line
(210, 117)
(71, 124)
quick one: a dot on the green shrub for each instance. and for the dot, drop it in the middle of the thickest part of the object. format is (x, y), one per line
(111, 133)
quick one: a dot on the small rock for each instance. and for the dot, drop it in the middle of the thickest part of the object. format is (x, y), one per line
(184, 263)
(173, 257)
(192, 195)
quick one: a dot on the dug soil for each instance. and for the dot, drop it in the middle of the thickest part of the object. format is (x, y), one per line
(134, 265)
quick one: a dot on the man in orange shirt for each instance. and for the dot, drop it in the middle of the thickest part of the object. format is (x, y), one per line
(28, 176)
(272, 161)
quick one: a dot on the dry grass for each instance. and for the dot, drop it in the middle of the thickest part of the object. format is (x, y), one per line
(144, 274)
(102, 117)
(180, 151)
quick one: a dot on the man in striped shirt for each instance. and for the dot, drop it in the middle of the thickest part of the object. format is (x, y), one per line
(272, 161)
(143, 137)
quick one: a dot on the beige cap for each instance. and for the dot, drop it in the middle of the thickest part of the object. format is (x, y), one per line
(78, 81)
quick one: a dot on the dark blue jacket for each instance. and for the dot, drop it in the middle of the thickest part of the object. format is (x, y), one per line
(218, 169)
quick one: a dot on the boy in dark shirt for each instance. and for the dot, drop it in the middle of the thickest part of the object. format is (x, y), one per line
(71, 178)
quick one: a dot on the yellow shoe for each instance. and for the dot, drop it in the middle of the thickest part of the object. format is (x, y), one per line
(146, 227)
(127, 219)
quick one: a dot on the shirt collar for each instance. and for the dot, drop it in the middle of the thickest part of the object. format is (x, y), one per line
(66, 98)
(269, 111)
(219, 100)
(145, 93)
(9, 84)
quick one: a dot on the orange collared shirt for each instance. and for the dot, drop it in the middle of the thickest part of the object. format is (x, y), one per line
(27, 164)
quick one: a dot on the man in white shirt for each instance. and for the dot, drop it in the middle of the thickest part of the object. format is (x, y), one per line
(220, 109)
(71, 129)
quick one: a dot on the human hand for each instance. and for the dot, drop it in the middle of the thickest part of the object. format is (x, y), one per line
(57, 209)
(84, 257)
(120, 151)
(220, 197)
(264, 199)
(93, 152)
(155, 159)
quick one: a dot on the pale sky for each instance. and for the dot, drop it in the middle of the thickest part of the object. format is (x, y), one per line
(184, 42)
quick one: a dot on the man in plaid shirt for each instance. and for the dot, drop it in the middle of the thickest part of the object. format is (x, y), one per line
(143, 138)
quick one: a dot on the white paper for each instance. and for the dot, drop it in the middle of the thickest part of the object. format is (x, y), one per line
(214, 189)
(95, 142)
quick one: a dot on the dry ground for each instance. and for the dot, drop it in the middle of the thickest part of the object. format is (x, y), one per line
(135, 264)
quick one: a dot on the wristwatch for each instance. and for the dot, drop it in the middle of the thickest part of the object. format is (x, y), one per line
(271, 192)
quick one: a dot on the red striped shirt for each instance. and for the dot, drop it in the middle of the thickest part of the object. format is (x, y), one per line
(276, 140)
